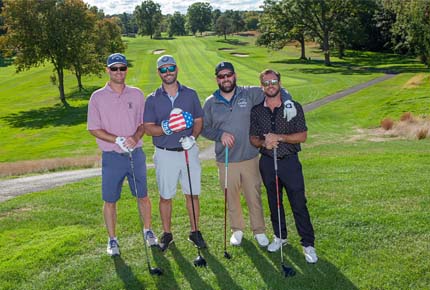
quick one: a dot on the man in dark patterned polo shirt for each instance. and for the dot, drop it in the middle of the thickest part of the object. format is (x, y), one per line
(271, 127)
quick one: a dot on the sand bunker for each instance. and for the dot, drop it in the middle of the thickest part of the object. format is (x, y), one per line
(158, 51)
(240, 54)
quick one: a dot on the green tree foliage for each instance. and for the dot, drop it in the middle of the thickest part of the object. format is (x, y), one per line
(216, 13)
(224, 25)
(411, 30)
(177, 24)
(148, 18)
(199, 17)
(238, 24)
(251, 20)
(128, 24)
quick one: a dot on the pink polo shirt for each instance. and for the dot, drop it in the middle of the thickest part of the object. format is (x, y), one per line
(117, 114)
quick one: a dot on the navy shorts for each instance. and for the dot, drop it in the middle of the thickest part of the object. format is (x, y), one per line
(117, 166)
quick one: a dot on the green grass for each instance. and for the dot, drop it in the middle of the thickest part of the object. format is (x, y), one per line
(40, 128)
(369, 204)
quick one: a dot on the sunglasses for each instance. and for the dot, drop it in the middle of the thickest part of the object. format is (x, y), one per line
(270, 82)
(222, 76)
(115, 68)
(163, 70)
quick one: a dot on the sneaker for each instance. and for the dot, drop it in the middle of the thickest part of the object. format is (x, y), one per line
(113, 247)
(150, 238)
(236, 238)
(262, 240)
(276, 244)
(310, 254)
(197, 238)
(165, 240)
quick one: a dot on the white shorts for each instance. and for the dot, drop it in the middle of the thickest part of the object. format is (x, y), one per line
(170, 166)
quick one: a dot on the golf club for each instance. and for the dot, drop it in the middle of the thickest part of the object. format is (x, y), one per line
(288, 271)
(199, 261)
(152, 271)
(226, 254)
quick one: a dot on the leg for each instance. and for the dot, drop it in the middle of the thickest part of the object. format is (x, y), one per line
(166, 214)
(267, 171)
(251, 183)
(109, 214)
(145, 210)
(194, 227)
(292, 178)
(233, 195)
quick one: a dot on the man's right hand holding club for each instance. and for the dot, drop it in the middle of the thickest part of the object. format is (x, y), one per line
(125, 143)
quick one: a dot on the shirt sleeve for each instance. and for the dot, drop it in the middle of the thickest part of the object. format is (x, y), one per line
(209, 131)
(300, 122)
(93, 117)
(198, 111)
(149, 111)
(254, 129)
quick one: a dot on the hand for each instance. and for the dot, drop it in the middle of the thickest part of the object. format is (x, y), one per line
(271, 141)
(179, 120)
(120, 141)
(187, 142)
(227, 139)
(290, 110)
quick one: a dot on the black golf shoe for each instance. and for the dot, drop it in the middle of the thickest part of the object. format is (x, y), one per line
(197, 238)
(165, 240)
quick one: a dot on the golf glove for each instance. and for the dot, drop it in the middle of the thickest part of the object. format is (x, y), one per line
(290, 110)
(187, 142)
(120, 141)
(178, 121)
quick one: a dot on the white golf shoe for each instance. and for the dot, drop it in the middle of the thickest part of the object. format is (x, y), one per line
(276, 244)
(150, 238)
(236, 238)
(262, 240)
(310, 254)
(113, 247)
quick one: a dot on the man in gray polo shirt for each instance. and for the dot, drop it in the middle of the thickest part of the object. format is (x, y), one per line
(226, 121)
(174, 118)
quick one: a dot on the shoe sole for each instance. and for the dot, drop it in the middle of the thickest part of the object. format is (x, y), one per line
(284, 244)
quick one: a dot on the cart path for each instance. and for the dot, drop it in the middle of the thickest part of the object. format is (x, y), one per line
(13, 187)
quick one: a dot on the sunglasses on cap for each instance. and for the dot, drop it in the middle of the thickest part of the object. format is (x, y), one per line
(115, 68)
(222, 76)
(163, 70)
(270, 82)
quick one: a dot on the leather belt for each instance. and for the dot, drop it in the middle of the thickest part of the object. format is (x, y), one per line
(178, 149)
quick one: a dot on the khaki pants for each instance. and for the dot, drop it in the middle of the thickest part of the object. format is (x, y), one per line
(243, 176)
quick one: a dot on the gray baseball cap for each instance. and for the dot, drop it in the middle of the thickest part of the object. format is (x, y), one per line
(165, 59)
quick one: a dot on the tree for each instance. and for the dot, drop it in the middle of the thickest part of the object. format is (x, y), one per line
(148, 17)
(216, 13)
(39, 31)
(251, 20)
(199, 17)
(177, 24)
(238, 24)
(224, 25)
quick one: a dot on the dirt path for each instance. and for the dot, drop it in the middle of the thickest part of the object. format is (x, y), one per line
(17, 186)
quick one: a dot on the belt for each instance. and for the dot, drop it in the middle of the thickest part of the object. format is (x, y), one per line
(279, 157)
(178, 149)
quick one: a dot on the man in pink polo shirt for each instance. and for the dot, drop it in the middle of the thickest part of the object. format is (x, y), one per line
(115, 118)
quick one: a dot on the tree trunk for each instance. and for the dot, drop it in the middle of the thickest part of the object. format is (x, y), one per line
(79, 79)
(341, 50)
(326, 49)
(302, 46)
(60, 73)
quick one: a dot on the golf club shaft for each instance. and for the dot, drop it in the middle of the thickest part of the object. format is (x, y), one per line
(138, 210)
(225, 198)
(278, 198)
(191, 193)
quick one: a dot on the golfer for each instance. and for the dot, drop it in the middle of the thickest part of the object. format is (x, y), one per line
(174, 118)
(115, 117)
(226, 122)
(271, 127)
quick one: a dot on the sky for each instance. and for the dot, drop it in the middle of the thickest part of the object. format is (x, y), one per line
(170, 6)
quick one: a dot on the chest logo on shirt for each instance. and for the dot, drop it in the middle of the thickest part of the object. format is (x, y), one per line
(242, 103)
(130, 105)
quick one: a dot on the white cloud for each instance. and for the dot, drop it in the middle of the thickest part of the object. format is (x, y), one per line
(170, 6)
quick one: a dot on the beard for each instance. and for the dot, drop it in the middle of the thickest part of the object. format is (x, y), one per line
(227, 86)
(169, 81)
(272, 94)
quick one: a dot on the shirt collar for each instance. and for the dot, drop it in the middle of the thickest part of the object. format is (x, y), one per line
(220, 98)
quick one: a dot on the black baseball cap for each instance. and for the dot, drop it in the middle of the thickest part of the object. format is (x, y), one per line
(224, 65)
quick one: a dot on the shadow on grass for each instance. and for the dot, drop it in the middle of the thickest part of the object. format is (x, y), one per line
(57, 115)
(126, 274)
(222, 275)
(322, 275)
(167, 280)
(233, 42)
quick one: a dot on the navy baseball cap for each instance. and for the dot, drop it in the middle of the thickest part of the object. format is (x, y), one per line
(224, 65)
(115, 59)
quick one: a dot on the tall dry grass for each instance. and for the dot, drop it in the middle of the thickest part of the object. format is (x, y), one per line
(408, 126)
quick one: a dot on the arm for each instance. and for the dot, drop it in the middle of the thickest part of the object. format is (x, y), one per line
(197, 127)
(103, 135)
(294, 138)
(153, 130)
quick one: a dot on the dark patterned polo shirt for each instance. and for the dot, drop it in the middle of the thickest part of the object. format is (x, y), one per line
(263, 121)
